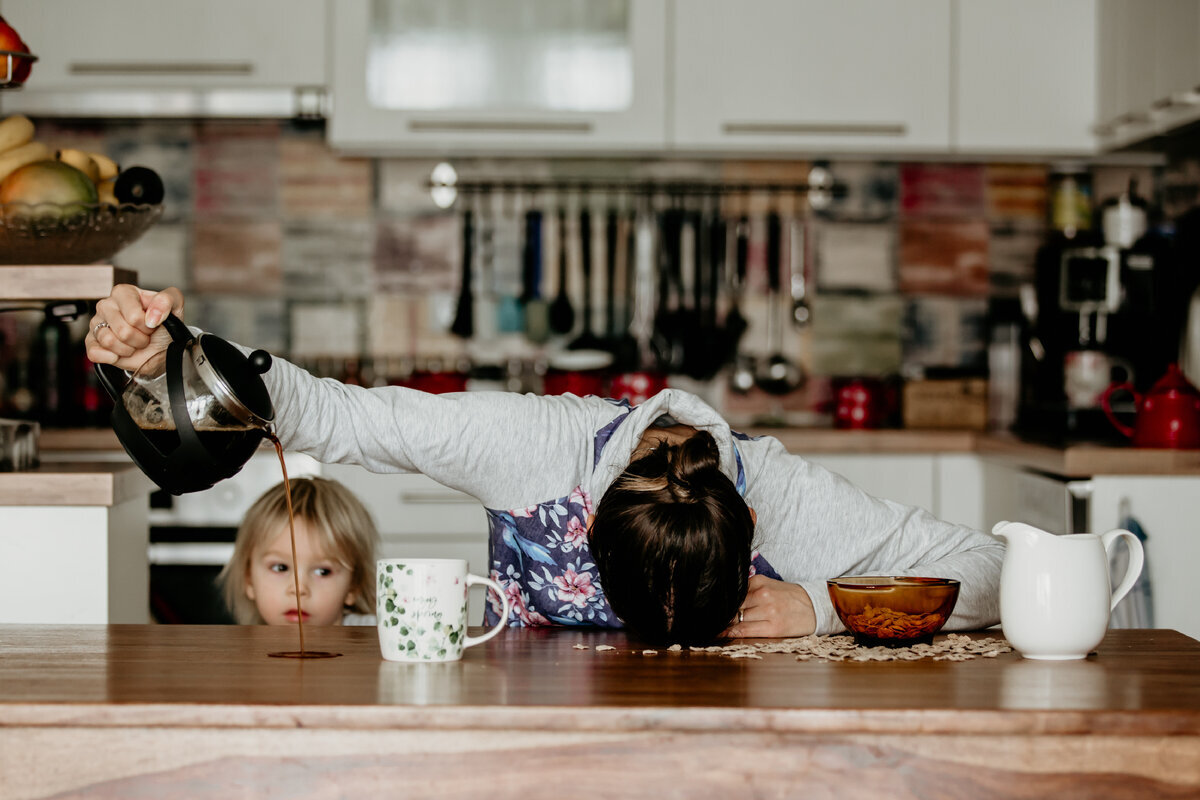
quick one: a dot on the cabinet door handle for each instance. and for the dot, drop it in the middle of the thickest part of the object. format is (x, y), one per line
(815, 128)
(497, 126)
(435, 498)
(161, 68)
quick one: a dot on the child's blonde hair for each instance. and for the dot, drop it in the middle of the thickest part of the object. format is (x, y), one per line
(338, 519)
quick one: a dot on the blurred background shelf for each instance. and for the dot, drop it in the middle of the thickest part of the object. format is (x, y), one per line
(65, 282)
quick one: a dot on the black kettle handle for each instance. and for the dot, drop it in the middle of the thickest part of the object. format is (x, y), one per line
(176, 327)
(113, 379)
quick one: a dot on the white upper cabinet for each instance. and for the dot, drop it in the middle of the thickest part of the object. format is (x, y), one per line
(1149, 68)
(163, 57)
(540, 76)
(811, 75)
(1026, 76)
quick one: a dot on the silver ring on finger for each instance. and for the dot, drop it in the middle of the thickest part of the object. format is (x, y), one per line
(741, 616)
(96, 329)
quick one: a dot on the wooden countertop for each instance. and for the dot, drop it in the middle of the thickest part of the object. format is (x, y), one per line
(1073, 461)
(202, 712)
(61, 281)
(74, 483)
(181, 675)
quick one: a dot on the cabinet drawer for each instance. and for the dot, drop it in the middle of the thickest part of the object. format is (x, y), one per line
(148, 43)
(411, 503)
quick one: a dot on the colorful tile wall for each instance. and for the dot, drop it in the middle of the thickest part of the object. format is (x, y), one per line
(276, 238)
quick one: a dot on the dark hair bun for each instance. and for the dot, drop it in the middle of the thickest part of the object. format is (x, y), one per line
(693, 459)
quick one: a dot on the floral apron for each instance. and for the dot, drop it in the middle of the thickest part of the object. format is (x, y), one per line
(540, 555)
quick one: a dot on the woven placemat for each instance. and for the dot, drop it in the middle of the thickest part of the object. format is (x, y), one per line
(954, 647)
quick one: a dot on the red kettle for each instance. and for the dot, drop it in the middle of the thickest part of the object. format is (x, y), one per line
(1167, 416)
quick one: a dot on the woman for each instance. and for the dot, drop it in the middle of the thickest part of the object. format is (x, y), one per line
(602, 513)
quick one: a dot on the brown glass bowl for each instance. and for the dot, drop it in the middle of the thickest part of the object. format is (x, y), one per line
(893, 611)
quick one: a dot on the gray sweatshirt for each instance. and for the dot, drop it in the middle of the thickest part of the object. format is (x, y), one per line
(509, 451)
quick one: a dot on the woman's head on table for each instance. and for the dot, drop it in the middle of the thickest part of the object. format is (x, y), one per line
(335, 557)
(671, 539)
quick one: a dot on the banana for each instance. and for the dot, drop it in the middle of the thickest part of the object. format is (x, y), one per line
(18, 157)
(15, 131)
(80, 161)
(108, 168)
(104, 189)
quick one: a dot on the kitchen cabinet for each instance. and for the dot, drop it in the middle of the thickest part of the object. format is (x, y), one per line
(1148, 69)
(418, 517)
(73, 534)
(524, 76)
(253, 58)
(948, 485)
(808, 75)
(1166, 507)
(1025, 76)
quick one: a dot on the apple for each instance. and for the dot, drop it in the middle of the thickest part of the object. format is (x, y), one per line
(48, 190)
(11, 40)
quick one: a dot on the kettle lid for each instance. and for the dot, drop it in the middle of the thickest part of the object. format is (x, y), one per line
(1174, 380)
(235, 379)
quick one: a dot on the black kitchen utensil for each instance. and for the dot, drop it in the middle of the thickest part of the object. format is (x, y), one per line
(537, 324)
(777, 374)
(667, 339)
(464, 323)
(741, 379)
(562, 315)
(618, 339)
(586, 340)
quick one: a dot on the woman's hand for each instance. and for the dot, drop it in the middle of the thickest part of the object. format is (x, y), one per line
(773, 609)
(126, 329)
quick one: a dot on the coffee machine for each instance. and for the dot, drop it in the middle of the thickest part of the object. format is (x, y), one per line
(1098, 313)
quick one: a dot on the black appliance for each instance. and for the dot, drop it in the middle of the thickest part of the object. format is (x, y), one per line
(1103, 309)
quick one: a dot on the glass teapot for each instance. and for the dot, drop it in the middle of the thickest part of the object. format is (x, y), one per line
(193, 414)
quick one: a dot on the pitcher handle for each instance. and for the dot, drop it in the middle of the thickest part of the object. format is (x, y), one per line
(1136, 560)
(472, 580)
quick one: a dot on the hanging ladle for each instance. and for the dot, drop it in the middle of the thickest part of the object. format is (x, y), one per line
(801, 313)
(776, 375)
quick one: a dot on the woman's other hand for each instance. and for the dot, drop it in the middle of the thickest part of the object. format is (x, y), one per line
(127, 327)
(774, 610)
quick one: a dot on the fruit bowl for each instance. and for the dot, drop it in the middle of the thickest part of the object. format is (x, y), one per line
(893, 611)
(75, 233)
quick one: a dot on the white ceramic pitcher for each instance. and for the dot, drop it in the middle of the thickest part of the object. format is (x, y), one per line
(1055, 591)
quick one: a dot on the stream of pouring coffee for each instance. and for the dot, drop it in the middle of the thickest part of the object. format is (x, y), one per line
(287, 492)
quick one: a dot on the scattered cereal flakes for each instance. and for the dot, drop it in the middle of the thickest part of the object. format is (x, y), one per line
(675, 648)
(649, 652)
(580, 647)
(602, 647)
(745, 655)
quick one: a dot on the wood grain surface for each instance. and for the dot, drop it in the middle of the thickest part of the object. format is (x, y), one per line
(82, 483)
(61, 282)
(201, 711)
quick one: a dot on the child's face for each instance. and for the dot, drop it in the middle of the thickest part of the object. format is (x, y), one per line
(324, 583)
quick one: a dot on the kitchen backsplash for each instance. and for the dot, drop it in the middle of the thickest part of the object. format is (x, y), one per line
(279, 243)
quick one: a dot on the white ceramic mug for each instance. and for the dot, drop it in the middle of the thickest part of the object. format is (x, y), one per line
(421, 608)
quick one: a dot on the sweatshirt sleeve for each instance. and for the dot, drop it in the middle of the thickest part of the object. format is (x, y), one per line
(813, 525)
(505, 449)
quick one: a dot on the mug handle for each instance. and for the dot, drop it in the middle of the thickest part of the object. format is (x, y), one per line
(1136, 560)
(473, 580)
(1106, 404)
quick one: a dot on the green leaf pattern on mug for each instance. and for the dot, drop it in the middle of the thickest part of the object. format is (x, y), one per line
(421, 632)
